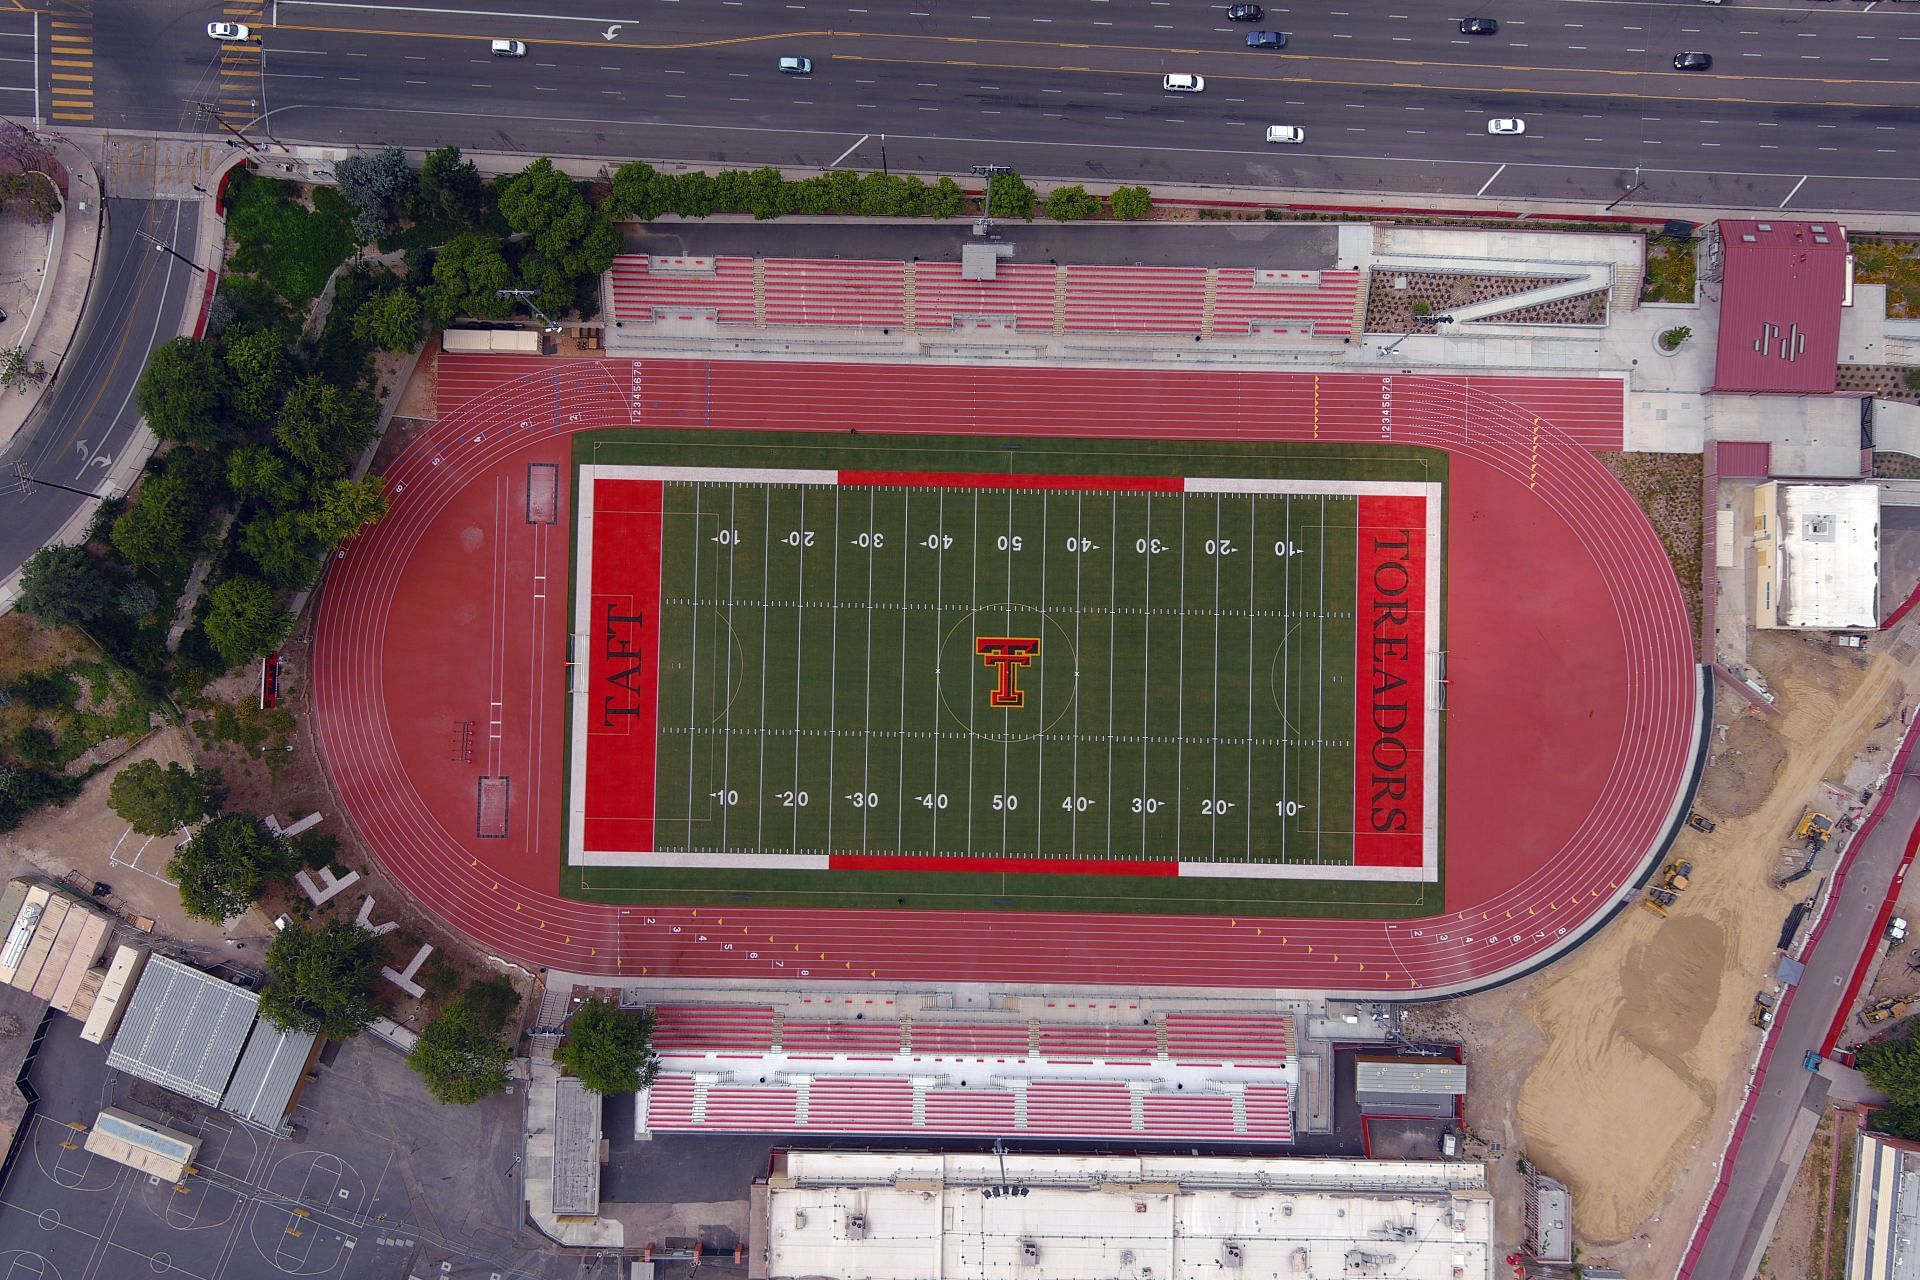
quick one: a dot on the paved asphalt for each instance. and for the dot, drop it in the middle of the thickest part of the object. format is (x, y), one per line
(1808, 105)
(89, 416)
(1739, 1233)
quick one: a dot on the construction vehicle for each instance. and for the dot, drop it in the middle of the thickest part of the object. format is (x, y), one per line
(1674, 878)
(1889, 1009)
(1814, 830)
(1762, 1015)
(1700, 821)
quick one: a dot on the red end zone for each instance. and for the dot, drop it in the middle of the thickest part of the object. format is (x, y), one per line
(621, 731)
(1390, 715)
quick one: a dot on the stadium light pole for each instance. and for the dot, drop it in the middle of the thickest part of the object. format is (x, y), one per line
(989, 172)
(527, 296)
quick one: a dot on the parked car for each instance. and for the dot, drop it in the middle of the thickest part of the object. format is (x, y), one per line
(1479, 26)
(1183, 83)
(1506, 125)
(229, 31)
(1692, 61)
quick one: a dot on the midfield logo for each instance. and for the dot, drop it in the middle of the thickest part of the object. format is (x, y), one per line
(1009, 653)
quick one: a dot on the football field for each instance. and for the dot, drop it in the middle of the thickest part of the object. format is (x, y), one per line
(840, 671)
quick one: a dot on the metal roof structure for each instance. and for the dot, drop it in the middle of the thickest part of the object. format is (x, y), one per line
(1410, 1076)
(576, 1150)
(183, 1030)
(267, 1076)
(1783, 286)
(1883, 1242)
(891, 1215)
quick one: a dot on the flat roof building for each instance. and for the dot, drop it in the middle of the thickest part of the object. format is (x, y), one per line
(1884, 1243)
(125, 1138)
(1409, 1086)
(1783, 286)
(1816, 556)
(907, 1215)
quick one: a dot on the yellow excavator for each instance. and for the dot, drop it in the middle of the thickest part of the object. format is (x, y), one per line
(1674, 879)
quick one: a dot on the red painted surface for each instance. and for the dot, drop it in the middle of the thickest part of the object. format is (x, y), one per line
(623, 667)
(1019, 866)
(1783, 285)
(206, 301)
(990, 480)
(1571, 710)
(1389, 682)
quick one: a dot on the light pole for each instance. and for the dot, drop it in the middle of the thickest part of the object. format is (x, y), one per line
(163, 247)
(989, 172)
(527, 296)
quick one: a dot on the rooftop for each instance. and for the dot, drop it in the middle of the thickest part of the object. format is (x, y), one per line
(1784, 286)
(184, 1030)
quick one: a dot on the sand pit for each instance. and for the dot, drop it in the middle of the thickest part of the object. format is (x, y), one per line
(1618, 1071)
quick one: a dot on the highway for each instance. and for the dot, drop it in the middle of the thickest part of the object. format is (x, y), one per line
(88, 417)
(1809, 105)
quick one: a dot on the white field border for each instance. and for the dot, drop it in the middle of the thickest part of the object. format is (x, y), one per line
(590, 473)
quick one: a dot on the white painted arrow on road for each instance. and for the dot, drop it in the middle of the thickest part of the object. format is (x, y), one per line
(610, 32)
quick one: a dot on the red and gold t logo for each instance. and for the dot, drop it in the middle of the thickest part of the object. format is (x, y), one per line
(1008, 653)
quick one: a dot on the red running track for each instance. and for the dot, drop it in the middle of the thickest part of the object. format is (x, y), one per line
(1571, 714)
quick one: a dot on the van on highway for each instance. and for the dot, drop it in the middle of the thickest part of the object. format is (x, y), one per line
(508, 48)
(1286, 133)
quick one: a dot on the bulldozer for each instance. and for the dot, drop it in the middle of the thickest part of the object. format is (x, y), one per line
(1674, 878)
(1889, 1009)
(1814, 830)
(1762, 1014)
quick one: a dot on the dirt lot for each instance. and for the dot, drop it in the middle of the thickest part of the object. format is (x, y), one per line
(1617, 1070)
(1809, 1242)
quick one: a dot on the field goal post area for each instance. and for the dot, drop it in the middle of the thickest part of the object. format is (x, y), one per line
(794, 670)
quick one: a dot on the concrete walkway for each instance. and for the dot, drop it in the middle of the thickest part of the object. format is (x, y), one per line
(73, 245)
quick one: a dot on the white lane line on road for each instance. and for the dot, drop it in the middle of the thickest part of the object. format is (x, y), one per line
(463, 13)
(1490, 181)
(849, 151)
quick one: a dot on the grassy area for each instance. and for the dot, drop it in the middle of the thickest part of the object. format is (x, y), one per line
(1672, 271)
(1893, 263)
(809, 702)
(249, 730)
(290, 246)
(53, 714)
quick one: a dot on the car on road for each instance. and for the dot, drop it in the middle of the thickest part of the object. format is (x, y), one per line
(1245, 13)
(1479, 26)
(796, 66)
(1692, 61)
(1286, 133)
(229, 31)
(1266, 39)
(1180, 82)
(508, 48)
(1506, 125)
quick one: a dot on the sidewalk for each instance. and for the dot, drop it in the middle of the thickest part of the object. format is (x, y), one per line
(73, 247)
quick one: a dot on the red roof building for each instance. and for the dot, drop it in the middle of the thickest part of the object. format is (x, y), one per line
(1784, 285)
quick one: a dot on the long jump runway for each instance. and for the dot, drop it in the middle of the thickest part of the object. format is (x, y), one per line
(441, 636)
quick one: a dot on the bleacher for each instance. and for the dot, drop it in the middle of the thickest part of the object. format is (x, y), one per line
(1135, 299)
(1245, 298)
(694, 1028)
(649, 287)
(1021, 291)
(969, 1039)
(1089, 1043)
(860, 1106)
(835, 292)
(809, 1037)
(1216, 1039)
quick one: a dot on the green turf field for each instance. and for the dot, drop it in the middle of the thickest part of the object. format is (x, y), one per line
(821, 692)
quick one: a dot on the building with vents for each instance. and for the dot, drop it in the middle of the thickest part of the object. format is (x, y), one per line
(888, 1215)
(1816, 556)
(1428, 1087)
(1783, 286)
(1884, 1239)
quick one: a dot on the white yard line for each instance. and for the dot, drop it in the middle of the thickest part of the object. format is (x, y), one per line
(1286, 678)
(1079, 532)
(1006, 732)
(726, 729)
(833, 672)
(939, 608)
(693, 656)
(766, 592)
(1213, 847)
(1180, 701)
(1146, 670)
(866, 678)
(1113, 613)
(1040, 697)
(1320, 731)
(973, 605)
(799, 664)
(1253, 560)
(906, 562)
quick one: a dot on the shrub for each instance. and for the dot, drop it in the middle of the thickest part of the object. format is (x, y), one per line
(1671, 339)
(1130, 203)
(1071, 204)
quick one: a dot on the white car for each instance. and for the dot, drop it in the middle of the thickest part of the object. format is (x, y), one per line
(1286, 133)
(229, 31)
(792, 66)
(508, 48)
(1182, 83)
(1506, 124)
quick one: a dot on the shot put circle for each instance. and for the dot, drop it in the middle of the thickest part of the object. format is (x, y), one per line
(1054, 668)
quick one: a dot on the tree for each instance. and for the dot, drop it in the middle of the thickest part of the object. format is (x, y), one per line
(449, 187)
(1009, 196)
(345, 507)
(461, 1054)
(157, 801)
(468, 273)
(64, 586)
(321, 980)
(24, 790)
(1130, 203)
(323, 426)
(244, 619)
(163, 529)
(227, 865)
(181, 391)
(639, 191)
(259, 473)
(945, 199)
(376, 187)
(1071, 204)
(283, 548)
(573, 244)
(258, 373)
(607, 1047)
(390, 320)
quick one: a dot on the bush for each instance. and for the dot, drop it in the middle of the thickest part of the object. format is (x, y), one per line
(44, 690)
(24, 790)
(36, 746)
(64, 585)
(1071, 204)
(1009, 196)
(376, 188)
(461, 1055)
(290, 247)
(608, 1048)
(1130, 203)
(1671, 339)
(244, 620)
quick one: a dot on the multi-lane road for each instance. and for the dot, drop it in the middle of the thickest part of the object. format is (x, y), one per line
(1810, 104)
